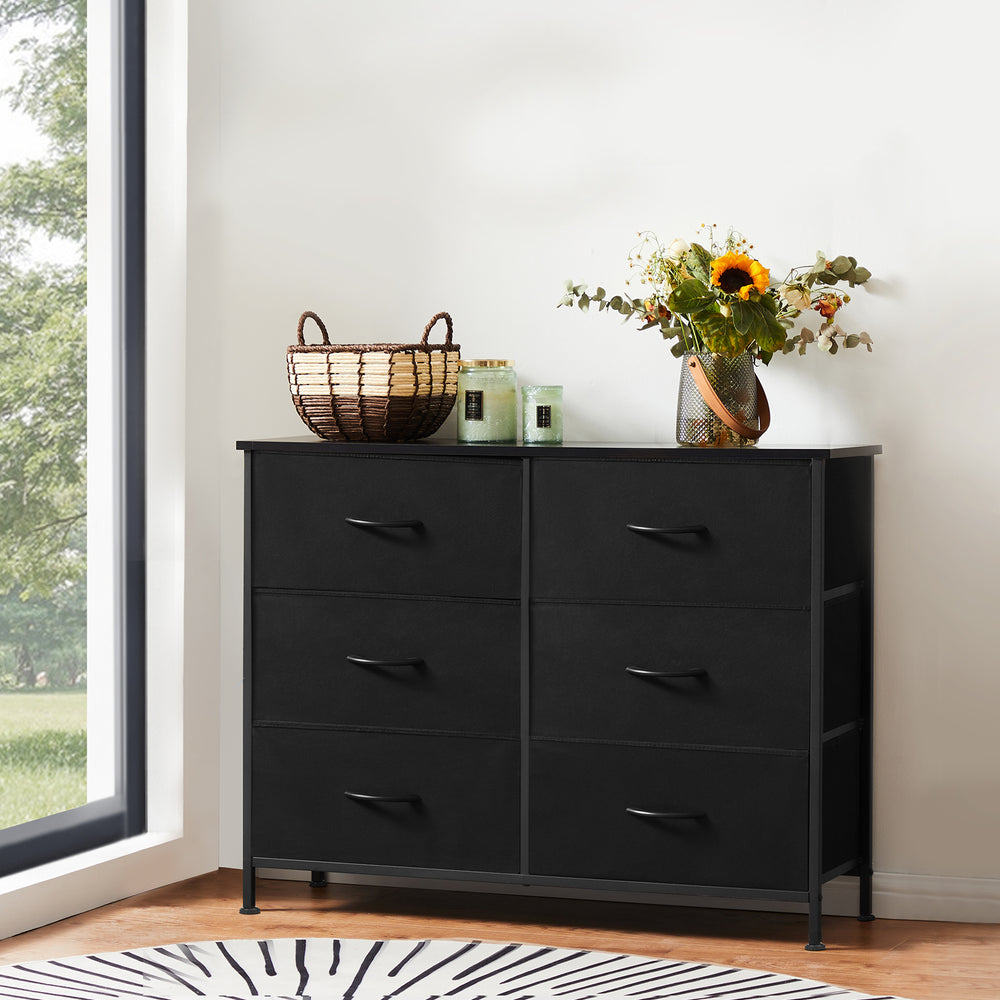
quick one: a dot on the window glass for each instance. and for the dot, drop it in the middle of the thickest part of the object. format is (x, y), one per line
(70, 139)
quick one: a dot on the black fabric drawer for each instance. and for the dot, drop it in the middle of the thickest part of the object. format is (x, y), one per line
(468, 680)
(752, 834)
(754, 549)
(754, 690)
(466, 817)
(467, 543)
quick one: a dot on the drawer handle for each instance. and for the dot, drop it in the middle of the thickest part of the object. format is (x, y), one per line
(406, 661)
(640, 672)
(365, 797)
(656, 814)
(360, 522)
(680, 529)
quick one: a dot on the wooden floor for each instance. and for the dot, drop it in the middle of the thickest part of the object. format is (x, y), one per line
(912, 959)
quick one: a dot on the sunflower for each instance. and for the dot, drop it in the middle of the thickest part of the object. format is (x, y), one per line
(736, 273)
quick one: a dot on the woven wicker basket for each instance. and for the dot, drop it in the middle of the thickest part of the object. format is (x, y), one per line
(373, 392)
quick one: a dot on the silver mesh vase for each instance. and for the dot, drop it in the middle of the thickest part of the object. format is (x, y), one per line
(734, 381)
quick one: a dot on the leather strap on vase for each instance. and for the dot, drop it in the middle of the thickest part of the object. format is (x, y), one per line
(719, 408)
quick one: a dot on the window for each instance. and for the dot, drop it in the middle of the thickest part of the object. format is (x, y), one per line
(72, 376)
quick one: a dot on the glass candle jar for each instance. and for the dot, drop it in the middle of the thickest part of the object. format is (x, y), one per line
(542, 414)
(487, 401)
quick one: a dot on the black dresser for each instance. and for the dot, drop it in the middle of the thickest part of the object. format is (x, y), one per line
(601, 666)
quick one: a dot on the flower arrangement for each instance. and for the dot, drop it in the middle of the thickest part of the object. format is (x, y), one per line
(721, 299)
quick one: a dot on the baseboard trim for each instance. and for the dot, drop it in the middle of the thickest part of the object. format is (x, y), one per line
(900, 896)
(895, 896)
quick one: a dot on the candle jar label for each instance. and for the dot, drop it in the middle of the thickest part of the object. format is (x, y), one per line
(473, 404)
(543, 416)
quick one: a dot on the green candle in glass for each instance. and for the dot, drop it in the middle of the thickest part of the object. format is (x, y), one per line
(487, 401)
(542, 414)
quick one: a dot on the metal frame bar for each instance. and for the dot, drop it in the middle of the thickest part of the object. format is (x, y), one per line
(817, 609)
(600, 885)
(249, 871)
(525, 776)
(132, 396)
(867, 778)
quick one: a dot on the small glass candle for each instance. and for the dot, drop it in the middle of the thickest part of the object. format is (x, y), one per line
(487, 401)
(542, 414)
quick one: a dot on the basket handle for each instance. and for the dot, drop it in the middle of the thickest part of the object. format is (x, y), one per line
(427, 329)
(302, 322)
(719, 408)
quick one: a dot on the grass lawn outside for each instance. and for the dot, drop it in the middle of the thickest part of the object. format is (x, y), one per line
(43, 754)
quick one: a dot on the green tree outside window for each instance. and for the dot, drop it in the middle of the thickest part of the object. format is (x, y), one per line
(43, 375)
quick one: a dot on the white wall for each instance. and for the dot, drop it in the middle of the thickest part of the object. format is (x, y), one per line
(379, 161)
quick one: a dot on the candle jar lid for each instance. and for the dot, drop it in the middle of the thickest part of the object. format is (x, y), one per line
(485, 363)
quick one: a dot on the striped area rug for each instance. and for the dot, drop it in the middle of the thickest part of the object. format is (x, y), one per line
(321, 968)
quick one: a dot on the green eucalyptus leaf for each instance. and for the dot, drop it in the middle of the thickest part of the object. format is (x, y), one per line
(677, 350)
(599, 294)
(584, 302)
(616, 302)
(852, 340)
(841, 265)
